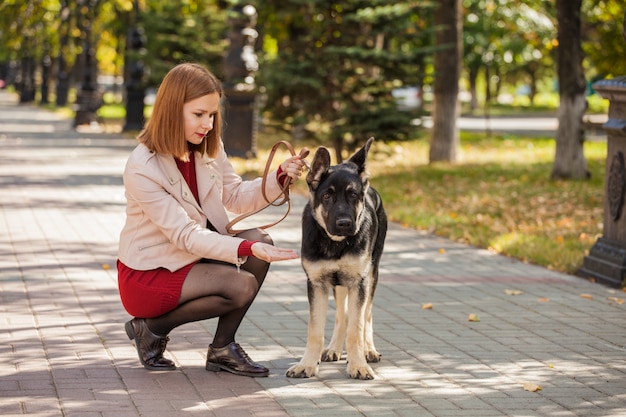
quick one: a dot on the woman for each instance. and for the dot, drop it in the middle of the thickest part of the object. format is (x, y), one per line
(177, 264)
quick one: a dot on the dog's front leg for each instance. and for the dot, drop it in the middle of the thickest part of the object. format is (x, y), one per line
(318, 305)
(355, 343)
(335, 348)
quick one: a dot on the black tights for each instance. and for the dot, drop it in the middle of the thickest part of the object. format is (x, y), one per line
(216, 289)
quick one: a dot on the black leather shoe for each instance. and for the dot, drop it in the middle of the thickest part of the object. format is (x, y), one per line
(150, 347)
(232, 358)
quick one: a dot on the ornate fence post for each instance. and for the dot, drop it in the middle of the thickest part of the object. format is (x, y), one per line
(240, 65)
(606, 261)
(134, 73)
(88, 99)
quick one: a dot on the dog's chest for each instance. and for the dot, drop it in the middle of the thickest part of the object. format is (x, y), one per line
(344, 271)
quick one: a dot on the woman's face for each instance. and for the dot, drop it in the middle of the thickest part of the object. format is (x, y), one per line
(199, 115)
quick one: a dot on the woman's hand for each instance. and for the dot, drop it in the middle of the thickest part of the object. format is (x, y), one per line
(292, 167)
(270, 253)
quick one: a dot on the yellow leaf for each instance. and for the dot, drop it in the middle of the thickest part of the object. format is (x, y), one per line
(513, 292)
(473, 317)
(106, 267)
(550, 366)
(427, 306)
(442, 250)
(543, 300)
(586, 296)
(616, 300)
(529, 386)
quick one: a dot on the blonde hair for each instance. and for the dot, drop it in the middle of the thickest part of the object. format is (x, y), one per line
(165, 131)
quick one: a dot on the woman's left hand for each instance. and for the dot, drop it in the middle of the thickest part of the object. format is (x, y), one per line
(270, 253)
(293, 167)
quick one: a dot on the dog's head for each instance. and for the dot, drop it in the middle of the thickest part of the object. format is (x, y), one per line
(337, 193)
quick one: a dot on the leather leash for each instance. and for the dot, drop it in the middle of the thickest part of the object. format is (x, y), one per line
(284, 190)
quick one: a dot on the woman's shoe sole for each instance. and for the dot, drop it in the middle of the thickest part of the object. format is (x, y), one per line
(214, 367)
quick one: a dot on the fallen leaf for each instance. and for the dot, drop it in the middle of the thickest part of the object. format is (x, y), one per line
(473, 317)
(551, 366)
(106, 267)
(543, 300)
(586, 296)
(427, 306)
(616, 300)
(529, 386)
(442, 250)
(513, 292)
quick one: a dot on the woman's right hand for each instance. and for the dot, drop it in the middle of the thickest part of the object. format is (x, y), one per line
(270, 253)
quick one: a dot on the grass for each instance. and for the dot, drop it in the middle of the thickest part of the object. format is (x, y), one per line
(498, 196)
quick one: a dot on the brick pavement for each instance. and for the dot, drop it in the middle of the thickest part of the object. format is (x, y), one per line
(63, 351)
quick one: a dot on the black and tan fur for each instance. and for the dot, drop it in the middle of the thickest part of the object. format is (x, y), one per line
(343, 233)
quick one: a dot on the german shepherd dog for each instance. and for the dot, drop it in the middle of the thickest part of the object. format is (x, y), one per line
(343, 232)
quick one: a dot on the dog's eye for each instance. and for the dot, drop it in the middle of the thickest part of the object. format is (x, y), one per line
(327, 196)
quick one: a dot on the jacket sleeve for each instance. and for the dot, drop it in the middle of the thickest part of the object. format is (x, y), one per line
(241, 196)
(153, 197)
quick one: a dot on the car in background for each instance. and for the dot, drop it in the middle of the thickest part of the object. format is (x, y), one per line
(408, 98)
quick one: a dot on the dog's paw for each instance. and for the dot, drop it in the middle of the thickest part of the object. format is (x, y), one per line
(301, 370)
(360, 372)
(329, 355)
(372, 356)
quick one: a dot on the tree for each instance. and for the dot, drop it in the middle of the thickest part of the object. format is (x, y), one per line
(603, 25)
(183, 30)
(569, 159)
(329, 67)
(447, 66)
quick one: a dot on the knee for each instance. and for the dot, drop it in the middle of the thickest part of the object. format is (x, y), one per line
(247, 291)
(256, 234)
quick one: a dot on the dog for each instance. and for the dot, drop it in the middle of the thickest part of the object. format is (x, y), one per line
(344, 226)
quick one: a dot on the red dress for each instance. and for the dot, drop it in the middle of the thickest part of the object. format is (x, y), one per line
(152, 293)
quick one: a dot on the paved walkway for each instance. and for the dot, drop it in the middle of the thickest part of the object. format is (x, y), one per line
(63, 350)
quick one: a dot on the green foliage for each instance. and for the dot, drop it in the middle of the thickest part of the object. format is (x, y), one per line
(183, 30)
(603, 26)
(333, 66)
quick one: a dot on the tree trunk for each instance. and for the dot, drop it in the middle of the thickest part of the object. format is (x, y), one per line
(569, 159)
(445, 135)
(473, 76)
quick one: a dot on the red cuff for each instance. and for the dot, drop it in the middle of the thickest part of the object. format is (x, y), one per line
(245, 248)
(281, 178)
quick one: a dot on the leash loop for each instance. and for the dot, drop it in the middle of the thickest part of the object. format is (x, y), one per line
(282, 198)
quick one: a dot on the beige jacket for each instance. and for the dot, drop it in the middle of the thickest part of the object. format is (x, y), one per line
(165, 226)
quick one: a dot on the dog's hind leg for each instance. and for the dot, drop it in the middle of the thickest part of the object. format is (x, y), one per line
(371, 354)
(318, 306)
(335, 348)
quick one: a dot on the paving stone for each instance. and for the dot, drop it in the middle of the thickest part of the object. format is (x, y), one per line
(63, 349)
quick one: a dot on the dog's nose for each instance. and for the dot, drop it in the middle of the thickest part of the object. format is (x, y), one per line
(344, 224)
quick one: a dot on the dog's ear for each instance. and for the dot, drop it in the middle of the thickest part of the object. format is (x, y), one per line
(360, 158)
(319, 166)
